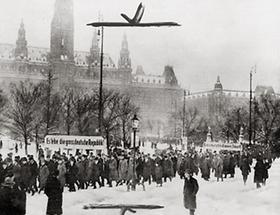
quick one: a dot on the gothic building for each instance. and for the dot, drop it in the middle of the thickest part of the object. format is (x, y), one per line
(157, 96)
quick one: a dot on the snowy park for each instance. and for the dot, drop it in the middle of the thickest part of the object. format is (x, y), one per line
(229, 197)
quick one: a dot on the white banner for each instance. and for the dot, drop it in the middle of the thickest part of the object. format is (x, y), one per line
(66, 142)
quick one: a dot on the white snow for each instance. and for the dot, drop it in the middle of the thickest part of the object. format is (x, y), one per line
(230, 197)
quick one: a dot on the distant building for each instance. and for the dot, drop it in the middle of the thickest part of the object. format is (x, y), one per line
(157, 96)
(215, 102)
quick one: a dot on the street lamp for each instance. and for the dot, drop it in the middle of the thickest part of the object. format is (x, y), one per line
(135, 124)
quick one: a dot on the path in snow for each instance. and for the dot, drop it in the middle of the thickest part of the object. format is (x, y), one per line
(230, 197)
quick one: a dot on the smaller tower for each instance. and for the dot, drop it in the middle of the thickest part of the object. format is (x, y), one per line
(124, 60)
(94, 57)
(218, 85)
(21, 51)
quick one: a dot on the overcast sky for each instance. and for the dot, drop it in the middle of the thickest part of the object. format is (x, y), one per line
(217, 37)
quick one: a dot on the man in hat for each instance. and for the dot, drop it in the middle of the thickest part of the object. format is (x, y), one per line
(33, 174)
(12, 200)
(54, 192)
(190, 190)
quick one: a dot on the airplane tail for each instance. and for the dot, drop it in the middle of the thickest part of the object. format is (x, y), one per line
(126, 18)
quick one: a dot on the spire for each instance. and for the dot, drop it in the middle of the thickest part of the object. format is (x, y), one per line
(124, 60)
(218, 85)
(95, 42)
(94, 50)
(62, 31)
(124, 43)
(21, 43)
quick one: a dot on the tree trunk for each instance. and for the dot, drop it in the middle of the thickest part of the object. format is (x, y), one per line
(108, 140)
(25, 144)
(124, 136)
(36, 140)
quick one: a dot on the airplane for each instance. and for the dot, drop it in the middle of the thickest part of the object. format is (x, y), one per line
(134, 22)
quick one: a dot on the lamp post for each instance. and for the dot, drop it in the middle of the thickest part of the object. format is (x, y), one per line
(135, 124)
(100, 106)
(253, 70)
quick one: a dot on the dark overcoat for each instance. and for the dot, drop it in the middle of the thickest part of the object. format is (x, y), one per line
(113, 170)
(167, 166)
(12, 201)
(190, 190)
(259, 171)
(244, 166)
(54, 191)
(205, 167)
(158, 174)
(43, 175)
(25, 175)
(267, 165)
(95, 171)
(72, 174)
(147, 169)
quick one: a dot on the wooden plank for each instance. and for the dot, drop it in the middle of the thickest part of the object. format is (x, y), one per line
(121, 206)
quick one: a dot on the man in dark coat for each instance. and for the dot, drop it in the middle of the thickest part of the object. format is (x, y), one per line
(232, 164)
(25, 174)
(259, 172)
(54, 192)
(267, 165)
(188, 163)
(12, 200)
(167, 167)
(101, 167)
(72, 173)
(205, 167)
(245, 168)
(34, 174)
(190, 190)
(95, 173)
(147, 169)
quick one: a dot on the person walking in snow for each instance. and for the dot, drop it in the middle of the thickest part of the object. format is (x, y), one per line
(190, 190)
(54, 192)
(218, 167)
(245, 168)
(267, 165)
(259, 172)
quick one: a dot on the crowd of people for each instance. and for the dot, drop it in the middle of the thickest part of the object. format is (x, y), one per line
(52, 174)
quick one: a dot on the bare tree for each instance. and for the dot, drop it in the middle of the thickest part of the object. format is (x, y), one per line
(85, 112)
(235, 119)
(126, 111)
(68, 109)
(22, 109)
(267, 111)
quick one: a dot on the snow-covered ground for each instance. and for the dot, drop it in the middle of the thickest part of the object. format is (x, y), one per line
(230, 197)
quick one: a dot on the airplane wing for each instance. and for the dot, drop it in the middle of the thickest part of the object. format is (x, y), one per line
(124, 24)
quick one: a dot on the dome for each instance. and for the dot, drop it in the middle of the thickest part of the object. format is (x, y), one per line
(218, 85)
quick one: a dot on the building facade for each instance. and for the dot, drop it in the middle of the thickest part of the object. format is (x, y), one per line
(214, 103)
(157, 96)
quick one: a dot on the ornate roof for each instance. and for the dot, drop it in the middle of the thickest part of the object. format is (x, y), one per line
(40, 55)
